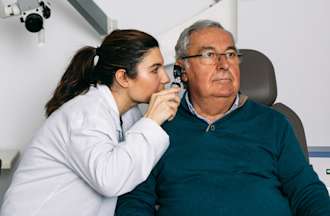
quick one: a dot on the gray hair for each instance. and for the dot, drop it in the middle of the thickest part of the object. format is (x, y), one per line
(181, 47)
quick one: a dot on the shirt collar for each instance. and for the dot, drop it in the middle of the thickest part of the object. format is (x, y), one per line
(193, 111)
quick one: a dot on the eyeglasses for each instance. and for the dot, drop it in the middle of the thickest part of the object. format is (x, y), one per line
(210, 57)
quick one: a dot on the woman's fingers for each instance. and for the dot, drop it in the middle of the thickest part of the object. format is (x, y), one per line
(163, 105)
(174, 107)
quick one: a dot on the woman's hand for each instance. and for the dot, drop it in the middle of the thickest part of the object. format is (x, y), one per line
(163, 105)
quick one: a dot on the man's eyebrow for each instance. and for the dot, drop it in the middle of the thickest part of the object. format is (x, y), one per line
(206, 48)
(231, 48)
(212, 48)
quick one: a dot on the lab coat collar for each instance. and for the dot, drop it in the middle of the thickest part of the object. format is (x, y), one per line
(110, 100)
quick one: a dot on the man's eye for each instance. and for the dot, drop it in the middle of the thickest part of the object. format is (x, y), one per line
(231, 54)
(209, 54)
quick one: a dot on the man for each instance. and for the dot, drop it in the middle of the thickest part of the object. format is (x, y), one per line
(228, 155)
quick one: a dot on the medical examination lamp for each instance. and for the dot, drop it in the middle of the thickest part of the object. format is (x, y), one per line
(33, 13)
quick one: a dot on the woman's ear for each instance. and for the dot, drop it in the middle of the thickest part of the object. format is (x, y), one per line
(121, 78)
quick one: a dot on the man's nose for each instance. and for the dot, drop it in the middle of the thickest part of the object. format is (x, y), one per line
(222, 61)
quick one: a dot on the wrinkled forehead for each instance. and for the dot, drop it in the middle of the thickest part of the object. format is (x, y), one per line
(211, 37)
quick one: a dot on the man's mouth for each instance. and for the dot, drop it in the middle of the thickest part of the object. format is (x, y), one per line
(222, 80)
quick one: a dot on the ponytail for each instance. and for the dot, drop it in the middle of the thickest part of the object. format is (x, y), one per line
(75, 80)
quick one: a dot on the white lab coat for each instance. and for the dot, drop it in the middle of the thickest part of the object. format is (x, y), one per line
(78, 162)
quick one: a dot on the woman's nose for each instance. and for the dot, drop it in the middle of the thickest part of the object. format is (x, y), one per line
(164, 77)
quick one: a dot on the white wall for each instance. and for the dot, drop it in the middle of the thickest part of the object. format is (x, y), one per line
(294, 34)
(30, 73)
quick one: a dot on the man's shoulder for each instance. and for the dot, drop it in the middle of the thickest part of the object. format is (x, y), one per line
(256, 108)
(176, 122)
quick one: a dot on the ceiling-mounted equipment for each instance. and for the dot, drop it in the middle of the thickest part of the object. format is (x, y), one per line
(33, 13)
(95, 16)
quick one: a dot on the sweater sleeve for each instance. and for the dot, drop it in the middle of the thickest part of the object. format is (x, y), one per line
(141, 201)
(113, 168)
(307, 194)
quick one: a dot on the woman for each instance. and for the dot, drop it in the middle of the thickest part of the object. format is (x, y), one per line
(94, 145)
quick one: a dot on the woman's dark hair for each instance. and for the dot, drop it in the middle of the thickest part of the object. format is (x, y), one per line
(122, 49)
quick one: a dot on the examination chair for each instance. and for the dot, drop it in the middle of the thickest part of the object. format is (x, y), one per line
(258, 82)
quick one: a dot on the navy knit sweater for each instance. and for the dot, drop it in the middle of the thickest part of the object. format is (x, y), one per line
(247, 163)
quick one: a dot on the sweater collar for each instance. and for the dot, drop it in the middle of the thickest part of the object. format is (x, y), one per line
(186, 103)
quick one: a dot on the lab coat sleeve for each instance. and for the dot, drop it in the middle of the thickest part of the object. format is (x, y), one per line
(113, 168)
(142, 200)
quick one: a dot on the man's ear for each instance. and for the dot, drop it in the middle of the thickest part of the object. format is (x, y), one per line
(184, 77)
(121, 78)
(181, 63)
